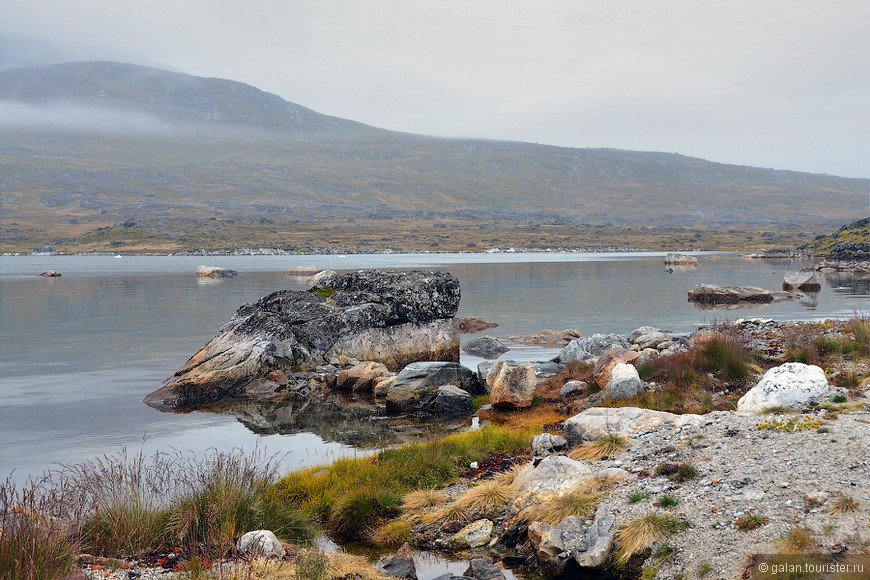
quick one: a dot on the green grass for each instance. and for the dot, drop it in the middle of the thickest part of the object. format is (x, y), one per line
(637, 496)
(667, 501)
(354, 493)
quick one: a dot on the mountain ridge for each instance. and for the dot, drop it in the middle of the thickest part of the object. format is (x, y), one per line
(229, 153)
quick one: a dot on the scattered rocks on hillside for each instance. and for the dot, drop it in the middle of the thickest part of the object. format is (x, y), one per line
(433, 388)
(573, 548)
(362, 376)
(614, 355)
(214, 272)
(791, 385)
(547, 444)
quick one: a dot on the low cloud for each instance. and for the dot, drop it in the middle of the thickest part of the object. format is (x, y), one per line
(76, 117)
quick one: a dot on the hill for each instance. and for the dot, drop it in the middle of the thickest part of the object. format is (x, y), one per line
(103, 155)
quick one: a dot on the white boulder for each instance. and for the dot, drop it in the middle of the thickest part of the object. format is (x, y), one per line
(261, 543)
(790, 385)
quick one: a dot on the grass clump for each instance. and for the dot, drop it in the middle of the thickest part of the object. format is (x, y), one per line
(725, 356)
(750, 522)
(676, 472)
(667, 501)
(843, 504)
(392, 534)
(799, 541)
(120, 505)
(484, 498)
(637, 496)
(577, 502)
(421, 500)
(606, 446)
(643, 532)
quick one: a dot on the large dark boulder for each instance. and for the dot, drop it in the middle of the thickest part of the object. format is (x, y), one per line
(387, 316)
(418, 389)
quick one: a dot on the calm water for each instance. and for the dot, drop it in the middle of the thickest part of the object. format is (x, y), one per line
(78, 353)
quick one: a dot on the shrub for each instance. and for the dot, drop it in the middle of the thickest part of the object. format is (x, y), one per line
(362, 508)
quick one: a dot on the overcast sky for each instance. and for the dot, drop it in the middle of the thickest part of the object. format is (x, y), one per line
(769, 83)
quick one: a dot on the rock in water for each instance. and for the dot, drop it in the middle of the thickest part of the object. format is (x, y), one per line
(385, 316)
(214, 272)
(486, 347)
(802, 281)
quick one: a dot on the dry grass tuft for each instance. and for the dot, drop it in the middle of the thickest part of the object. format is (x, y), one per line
(556, 508)
(509, 477)
(843, 504)
(606, 446)
(448, 513)
(421, 500)
(643, 532)
(799, 541)
(485, 497)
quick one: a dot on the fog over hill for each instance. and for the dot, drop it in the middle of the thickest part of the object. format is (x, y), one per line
(89, 144)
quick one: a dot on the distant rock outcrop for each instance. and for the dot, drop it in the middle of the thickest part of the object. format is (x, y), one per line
(390, 317)
(677, 259)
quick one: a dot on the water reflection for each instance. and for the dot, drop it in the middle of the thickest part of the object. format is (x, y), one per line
(347, 419)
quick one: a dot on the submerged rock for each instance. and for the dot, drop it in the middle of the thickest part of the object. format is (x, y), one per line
(391, 317)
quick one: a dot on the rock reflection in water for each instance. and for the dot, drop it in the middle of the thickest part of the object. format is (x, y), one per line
(348, 419)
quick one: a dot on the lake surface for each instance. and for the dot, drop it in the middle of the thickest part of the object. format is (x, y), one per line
(78, 353)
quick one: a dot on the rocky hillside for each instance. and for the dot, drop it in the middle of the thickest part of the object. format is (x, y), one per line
(849, 243)
(90, 146)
